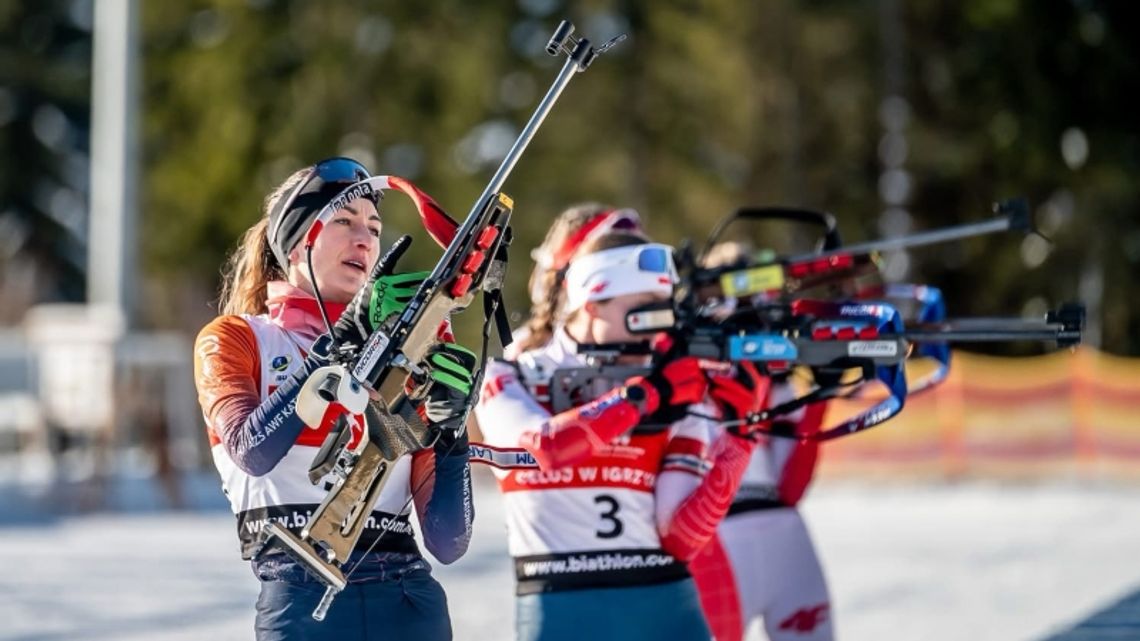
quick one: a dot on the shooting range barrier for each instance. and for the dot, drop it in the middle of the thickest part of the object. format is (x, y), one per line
(1070, 413)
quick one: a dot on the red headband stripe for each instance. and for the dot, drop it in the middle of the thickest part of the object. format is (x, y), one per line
(570, 246)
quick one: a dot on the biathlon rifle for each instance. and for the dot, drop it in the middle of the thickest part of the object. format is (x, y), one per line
(755, 313)
(392, 360)
(788, 277)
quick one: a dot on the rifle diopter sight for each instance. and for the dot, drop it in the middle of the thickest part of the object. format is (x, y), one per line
(579, 49)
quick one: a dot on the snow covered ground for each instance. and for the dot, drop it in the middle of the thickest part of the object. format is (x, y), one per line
(936, 562)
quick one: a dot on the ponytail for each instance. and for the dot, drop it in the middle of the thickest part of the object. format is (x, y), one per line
(543, 313)
(248, 272)
(252, 265)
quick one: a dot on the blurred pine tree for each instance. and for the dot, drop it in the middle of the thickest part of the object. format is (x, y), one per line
(45, 59)
(708, 106)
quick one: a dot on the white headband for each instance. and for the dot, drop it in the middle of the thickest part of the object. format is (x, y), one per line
(634, 269)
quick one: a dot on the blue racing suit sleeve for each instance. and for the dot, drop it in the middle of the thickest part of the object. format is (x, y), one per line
(444, 502)
(256, 433)
(267, 434)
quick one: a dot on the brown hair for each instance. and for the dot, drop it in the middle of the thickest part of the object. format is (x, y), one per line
(544, 315)
(569, 221)
(545, 283)
(252, 265)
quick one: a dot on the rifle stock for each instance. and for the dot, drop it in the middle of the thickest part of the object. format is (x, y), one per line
(392, 360)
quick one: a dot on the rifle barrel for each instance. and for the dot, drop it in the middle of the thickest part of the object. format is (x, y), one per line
(989, 336)
(569, 68)
(1001, 223)
(1003, 323)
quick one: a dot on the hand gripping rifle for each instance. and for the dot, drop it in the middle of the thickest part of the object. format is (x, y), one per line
(392, 360)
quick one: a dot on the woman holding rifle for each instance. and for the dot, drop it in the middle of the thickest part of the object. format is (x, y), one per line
(251, 364)
(762, 565)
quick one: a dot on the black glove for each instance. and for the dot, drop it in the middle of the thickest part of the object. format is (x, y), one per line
(452, 442)
(452, 380)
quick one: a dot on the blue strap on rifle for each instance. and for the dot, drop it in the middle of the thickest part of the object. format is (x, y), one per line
(888, 320)
(932, 310)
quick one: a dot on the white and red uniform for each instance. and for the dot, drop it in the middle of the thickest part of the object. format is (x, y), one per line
(762, 564)
(263, 451)
(625, 512)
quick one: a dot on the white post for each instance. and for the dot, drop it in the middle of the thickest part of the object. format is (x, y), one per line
(114, 158)
(894, 115)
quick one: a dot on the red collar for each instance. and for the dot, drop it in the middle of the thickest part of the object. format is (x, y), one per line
(296, 310)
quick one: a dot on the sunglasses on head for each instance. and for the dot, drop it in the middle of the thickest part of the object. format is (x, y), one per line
(327, 179)
(338, 173)
(324, 182)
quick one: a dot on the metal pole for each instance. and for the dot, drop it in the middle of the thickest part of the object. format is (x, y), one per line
(541, 111)
(111, 256)
(917, 240)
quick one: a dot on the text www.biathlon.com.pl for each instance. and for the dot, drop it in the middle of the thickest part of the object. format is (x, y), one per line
(596, 563)
(300, 519)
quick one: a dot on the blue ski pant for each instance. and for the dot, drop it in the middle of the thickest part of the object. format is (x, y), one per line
(410, 607)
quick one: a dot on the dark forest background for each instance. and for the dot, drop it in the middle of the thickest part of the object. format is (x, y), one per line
(895, 116)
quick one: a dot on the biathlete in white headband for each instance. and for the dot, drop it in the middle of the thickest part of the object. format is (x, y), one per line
(601, 533)
(576, 226)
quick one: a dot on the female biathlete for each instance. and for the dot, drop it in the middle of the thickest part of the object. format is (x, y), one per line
(762, 564)
(250, 365)
(575, 226)
(601, 532)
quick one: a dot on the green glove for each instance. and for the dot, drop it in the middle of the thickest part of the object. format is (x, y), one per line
(453, 366)
(376, 301)
(452, 377)
(390, 295)
(383, 294)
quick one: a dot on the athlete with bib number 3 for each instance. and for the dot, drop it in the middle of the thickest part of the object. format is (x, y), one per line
(601, 532)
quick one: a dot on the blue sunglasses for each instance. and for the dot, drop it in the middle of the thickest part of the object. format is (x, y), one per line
(655, 259)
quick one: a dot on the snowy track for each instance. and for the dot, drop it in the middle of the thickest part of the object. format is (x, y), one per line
(943, 562)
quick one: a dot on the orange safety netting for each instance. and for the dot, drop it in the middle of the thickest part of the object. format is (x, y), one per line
(1070, 411)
